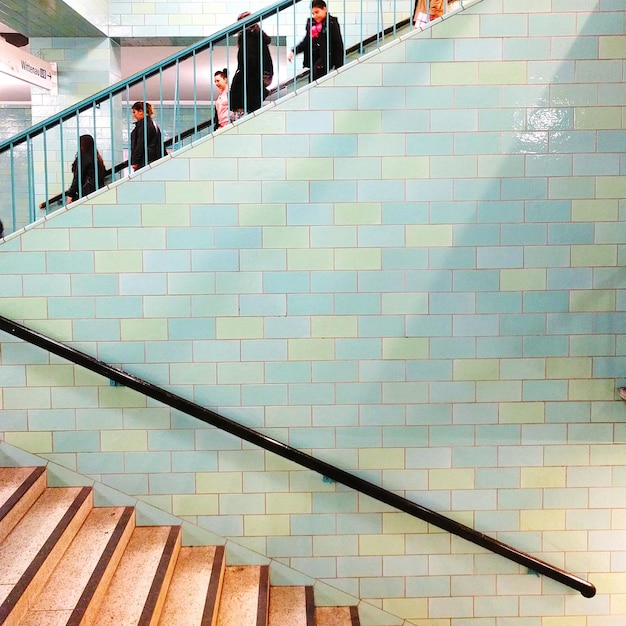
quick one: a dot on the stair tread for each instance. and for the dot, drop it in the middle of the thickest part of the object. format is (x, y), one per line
(24, 542)
(333, 616)
(63, 562)
(288, 606)
(240, 596)
(10, 479)
(68, 581)
(131, 584)
(31, 551)
(185, 600)
(19, 488)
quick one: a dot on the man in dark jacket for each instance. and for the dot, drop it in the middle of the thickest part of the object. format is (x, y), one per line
(322, 45)
(255, 70)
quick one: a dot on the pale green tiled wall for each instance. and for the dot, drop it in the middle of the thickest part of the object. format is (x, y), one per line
(414, 270)
(15, 119)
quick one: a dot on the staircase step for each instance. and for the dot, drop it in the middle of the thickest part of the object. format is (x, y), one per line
(78, 583)
(65, 563)
(137, 590)
(244, 599)
(31, 551)
(19, 488)
(291, 606)
(195, 587)
(337, 616)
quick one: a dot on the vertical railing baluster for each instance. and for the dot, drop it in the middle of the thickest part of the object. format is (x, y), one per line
(145, 124)
(96, 178)
(112, 136)
(31, 179)
(162, 109)
(195, 95)
(176, 120)
(361, 31)
(127, 116)
(278, 64)
(212, 88)
(295, 42)
(12, 168)
(45, 167)
(62, 164)
(261, 61)
(244, 50)
(79, 168)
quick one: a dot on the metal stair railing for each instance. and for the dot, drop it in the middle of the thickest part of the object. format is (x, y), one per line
(285, 451)
(35, 163)
(281, 87)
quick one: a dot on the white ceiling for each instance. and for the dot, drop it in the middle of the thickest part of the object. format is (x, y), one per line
(46, 18)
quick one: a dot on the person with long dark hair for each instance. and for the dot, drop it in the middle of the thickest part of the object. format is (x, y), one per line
(146, 133)
(88, 170)
(255, 69)
(322, 45)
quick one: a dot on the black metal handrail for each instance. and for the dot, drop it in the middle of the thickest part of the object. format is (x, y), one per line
(179, 403)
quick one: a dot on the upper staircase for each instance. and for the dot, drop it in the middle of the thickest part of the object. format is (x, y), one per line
(65, 562)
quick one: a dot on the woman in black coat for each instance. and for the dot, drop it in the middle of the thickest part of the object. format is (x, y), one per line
(145, 127)
(255, 70)
(87, 177)
(322, 45)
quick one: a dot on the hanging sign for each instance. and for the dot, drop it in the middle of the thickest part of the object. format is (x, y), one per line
(27, 67)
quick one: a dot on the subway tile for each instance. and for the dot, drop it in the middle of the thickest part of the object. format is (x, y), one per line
(362, 348)
(584, 95)
(99, 462)
(380, 281)
(549, 164)
(587, 70)
(504, 25)
(330, 415)
(285, 327)
(575, 47)
(358, 393)
(264, 350)
(264, 394)
(552, 24)
(428, 144)
(309, 304)
(310, 393)
(338, 371)
(516, 47)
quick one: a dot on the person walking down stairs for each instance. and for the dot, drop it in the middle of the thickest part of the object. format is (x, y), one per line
(426, 12)
(146, 133)
(322, 45)
(255, 70)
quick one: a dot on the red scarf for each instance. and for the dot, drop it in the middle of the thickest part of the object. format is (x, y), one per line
(316, 28)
